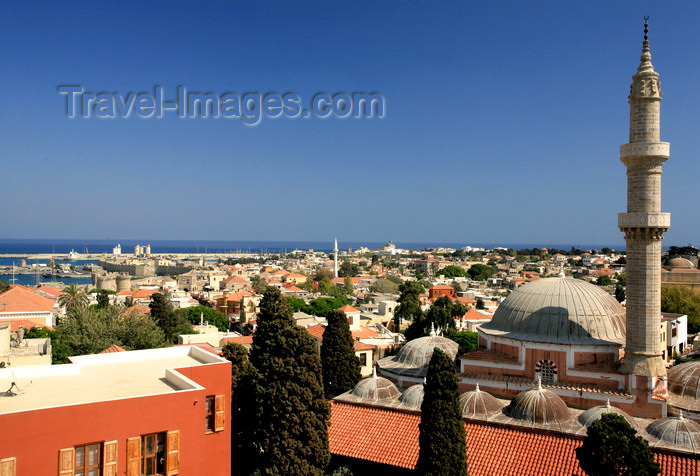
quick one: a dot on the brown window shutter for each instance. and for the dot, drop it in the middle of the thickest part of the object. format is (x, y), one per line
(133, 456)
(220, 416)
(66, 461)
(172, 465)
(8, 467)
(110, 458)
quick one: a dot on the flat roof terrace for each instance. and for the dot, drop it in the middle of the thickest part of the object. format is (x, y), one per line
(100, 377)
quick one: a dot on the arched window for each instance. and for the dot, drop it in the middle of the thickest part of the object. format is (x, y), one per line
(546, 370)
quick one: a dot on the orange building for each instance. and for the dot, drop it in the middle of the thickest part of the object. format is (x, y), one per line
(158, 411)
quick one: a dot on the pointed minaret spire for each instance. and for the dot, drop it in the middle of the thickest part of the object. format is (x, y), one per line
(432, 330)
(374, 372)
(644, 223)
(477, 387)
(335, 259)
(539, 384)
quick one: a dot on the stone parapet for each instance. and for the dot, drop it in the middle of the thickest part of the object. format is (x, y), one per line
(644, 149)
(644, 220)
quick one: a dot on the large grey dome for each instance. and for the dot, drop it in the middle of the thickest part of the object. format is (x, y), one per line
(560, 311)
(478, 404)
(413, 358)
(538, 405)
(677, 431)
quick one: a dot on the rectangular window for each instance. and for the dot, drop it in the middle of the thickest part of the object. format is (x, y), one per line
(156, 454)
(87, 460)
(362, 358)
(94, 459)
(209, 414)
(153, 454)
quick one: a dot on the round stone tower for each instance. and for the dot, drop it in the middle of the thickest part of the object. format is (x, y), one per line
(644, 224)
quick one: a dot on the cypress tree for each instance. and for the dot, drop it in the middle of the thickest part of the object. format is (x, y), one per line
(612, 446)
(442, 437)
(341, 369)
(244, 410)
(292, 431)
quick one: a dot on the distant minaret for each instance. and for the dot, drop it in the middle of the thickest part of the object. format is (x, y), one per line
(644, 224)
(335, 259)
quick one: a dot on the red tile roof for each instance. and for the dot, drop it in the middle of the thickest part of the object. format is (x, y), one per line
(243, 340)
(22, 299)
(144, 293)
(492, 450)
(474, 314)
(358, 346)
(50, 290)
(27, 324)
(374, 434)
(112, 348)
(348, 308)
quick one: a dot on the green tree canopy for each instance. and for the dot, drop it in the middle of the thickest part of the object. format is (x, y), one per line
(442, 439)
(341, 369)
(73, 296)
(91, 330)
(348, 268)
(682, 300)
(245, 388)
(324, 305)
(173, 323)
(480, 272)
(409, 308)
(467, 340)
(385, 286)
(612, 447)
(604, 280)
(195, 314)
(452, 271)
(292, 432)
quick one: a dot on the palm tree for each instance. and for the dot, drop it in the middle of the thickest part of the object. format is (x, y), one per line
(72, 297)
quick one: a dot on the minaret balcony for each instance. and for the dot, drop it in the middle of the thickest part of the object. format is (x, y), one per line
(645, 149)
(643, 220)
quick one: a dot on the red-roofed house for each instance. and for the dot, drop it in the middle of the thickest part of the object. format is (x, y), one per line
(353, 315)
(19, 302)
(440, 290)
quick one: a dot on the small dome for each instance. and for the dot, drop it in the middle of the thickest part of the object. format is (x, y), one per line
(375, 388)
(684, 380)
(680, 263)
(413, 396)
(587, 418)
(478, 404)
(413, 358)
(684, 386)
(538, 406)
(559, 311)
(678, 431)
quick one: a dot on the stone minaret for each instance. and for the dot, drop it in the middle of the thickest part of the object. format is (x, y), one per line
(335, 259)
(644, 224)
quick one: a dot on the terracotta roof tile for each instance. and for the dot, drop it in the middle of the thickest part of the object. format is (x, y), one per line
(21, 299)
(492, 450)
(27, 324)
(112, 348)
(348, 308)
(354, 431)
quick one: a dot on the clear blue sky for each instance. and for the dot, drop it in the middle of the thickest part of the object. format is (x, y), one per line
(502, 122)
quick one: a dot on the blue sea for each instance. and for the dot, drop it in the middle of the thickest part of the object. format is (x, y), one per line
(30, 247)
(63, 246)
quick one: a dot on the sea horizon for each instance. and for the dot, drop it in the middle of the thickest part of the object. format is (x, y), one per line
(31, 246)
